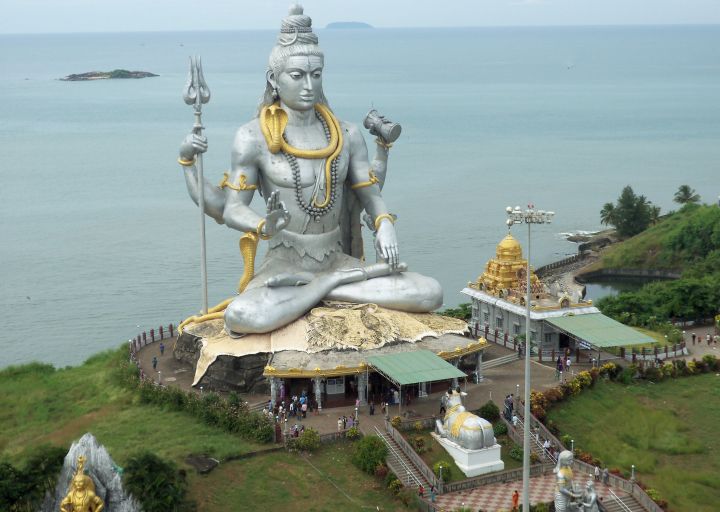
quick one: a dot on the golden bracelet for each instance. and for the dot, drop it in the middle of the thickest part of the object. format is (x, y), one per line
(381, 217)
(186, 163)
(373, 180)
(259, 229)
(380, 142)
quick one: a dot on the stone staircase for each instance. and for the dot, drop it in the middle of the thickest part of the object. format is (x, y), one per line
(622, 504)
(499, 361)
(399, 464)
(535, 446)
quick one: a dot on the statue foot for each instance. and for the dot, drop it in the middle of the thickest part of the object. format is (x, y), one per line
(289, 279)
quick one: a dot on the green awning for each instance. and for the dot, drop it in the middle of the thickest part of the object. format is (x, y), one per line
(413, 367)
(600, 331)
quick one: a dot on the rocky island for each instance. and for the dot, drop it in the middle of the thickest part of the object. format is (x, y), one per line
(107, 75)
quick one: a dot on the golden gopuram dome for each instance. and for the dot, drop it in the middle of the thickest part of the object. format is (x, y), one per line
(506, 271)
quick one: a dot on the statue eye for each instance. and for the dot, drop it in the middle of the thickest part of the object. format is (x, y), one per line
(295, 75)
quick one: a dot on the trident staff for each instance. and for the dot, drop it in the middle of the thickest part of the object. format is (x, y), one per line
(196, 93)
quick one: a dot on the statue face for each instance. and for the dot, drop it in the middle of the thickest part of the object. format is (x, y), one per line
(79, 483)
(300, 82)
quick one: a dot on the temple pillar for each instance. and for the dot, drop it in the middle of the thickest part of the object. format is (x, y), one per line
(478, 367)
(362, 388)
(423, 390)
(274, 388)
(318, 392)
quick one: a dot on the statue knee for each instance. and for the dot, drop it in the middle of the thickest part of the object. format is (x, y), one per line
(430, 294)
(242, 317)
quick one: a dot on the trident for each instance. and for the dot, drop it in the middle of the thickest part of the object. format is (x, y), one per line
(196, 93)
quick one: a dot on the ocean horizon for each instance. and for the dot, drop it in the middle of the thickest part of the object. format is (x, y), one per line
(100, 239)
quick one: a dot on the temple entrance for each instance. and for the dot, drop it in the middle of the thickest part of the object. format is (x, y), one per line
(564, 341)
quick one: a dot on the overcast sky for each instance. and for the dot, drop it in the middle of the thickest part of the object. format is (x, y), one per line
(26, 16)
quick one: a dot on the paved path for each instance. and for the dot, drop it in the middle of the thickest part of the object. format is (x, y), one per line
(495, 497)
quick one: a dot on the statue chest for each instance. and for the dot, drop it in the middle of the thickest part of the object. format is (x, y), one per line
(277, 170)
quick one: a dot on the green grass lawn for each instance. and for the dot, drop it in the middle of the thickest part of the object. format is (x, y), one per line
(42, 405)
(323, 481)
(669, 431)
(435, 453)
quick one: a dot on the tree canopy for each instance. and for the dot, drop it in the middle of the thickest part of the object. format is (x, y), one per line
(631, 214)
(686, 195)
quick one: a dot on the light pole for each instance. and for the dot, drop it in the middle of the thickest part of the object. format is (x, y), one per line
(529, 217)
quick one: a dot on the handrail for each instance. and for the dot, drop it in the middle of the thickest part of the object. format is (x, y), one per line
(408, 470)
(535, 440)
(619, 501)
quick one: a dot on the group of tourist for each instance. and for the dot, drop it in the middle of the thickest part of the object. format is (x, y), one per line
(708, 338)
(562, 366)
(509, 405)
(346, 422)
(297, 407)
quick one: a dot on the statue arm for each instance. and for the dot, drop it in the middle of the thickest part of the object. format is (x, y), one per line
(242, 181)
(358, 174)
(379, 164)
(214, 195)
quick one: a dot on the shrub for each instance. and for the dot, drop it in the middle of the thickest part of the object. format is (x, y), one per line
(381, 471)
(711, 362)
(584, 379)
(489, 411)
(553, 395)
(516, 452)
(418, 442)
(396, 422)
(500, 428)
(668, 370)
(565, 439)
(353, 433)
(309, 440)
(156, 483)
(406, 496)
(418, 426)
(395, 486)
(24, 488)
(691, 367)
(446, 471)
(626, 376)
(653, 374)
(534, 459)
(370, 452)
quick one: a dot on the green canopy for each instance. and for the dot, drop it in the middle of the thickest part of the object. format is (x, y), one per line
(599, 330)
(413, 367)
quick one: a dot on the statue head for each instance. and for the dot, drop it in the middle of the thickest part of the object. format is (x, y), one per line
(565, 459)
(295, 66)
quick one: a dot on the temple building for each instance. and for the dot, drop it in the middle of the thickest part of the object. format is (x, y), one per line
(498, 304)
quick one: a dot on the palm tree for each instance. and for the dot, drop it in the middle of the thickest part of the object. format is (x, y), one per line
(607, 214)
(686, 195)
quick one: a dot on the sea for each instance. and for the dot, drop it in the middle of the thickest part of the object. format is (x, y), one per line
(99, 240)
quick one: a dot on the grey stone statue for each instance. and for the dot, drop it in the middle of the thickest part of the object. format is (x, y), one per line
(464, 428)
(314, 174)
(104, 473)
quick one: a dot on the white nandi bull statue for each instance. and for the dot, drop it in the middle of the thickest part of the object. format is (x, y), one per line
(464, 428)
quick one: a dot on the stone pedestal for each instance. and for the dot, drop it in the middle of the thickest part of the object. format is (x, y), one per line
(473, 462)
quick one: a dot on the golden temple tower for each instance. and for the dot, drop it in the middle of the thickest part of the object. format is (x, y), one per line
(506, 271)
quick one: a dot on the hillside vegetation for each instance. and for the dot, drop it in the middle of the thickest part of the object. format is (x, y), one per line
(41, 405)
(677, 242)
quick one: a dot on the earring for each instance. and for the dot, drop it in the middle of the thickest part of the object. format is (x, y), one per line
(275, 93)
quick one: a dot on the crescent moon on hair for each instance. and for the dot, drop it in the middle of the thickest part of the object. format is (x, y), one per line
(293, 41)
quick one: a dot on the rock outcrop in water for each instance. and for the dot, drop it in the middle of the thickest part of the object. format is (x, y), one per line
(101, 468)
(107, 75)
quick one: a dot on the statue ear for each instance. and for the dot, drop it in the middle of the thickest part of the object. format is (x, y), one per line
(270, 77)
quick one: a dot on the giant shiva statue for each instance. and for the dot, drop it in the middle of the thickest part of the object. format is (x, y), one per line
(313, 172)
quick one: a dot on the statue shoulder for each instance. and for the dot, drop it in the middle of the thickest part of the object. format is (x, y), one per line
(249, 140)
(351, 132)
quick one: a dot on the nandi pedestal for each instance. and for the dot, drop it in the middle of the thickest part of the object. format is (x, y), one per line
(473, 462)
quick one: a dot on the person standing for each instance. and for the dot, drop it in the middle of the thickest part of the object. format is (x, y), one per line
(162, 348)
(340, 424)
(516, 501)
(597, 474)
(154, 362)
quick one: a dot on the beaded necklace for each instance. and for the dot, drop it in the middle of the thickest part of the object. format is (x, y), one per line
(312, 209)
